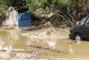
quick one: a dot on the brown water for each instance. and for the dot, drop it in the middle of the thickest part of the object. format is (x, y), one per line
(12, 39)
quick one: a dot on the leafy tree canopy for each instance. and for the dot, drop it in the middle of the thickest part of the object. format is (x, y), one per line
(35, 4)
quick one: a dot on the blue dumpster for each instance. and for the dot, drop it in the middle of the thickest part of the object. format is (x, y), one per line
(24, 19)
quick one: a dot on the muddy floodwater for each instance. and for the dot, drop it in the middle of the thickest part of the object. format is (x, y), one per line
(13, 41)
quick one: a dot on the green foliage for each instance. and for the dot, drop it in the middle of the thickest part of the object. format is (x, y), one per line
(35, 4)
(62, 2)
(65, 4)
(3, 8)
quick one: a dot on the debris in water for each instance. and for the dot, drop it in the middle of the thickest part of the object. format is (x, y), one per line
(51, 44)
(0, 47)
(70, 49)
(77, 41)
(8, 49)
(1, 44)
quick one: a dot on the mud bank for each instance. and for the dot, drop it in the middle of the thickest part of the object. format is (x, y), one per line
(47, 33)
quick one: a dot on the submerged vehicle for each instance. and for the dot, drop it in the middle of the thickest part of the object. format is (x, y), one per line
(80, 31)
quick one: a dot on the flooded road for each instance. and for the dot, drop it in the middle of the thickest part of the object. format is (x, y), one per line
(64, 48)
(12, 39)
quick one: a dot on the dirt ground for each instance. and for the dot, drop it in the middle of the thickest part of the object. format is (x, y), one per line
(47, 33)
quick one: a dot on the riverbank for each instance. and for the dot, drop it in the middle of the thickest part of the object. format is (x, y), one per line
(47, 33)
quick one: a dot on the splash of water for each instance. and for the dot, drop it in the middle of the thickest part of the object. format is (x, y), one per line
(1, 44)
(51, 44)
(70, 49)
(78, 40)
(11, 19)
(8, 48)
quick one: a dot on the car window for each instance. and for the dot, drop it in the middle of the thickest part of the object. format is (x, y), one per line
(83, 21)
(87, 22)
